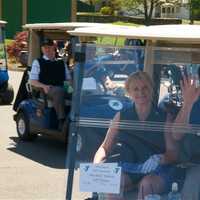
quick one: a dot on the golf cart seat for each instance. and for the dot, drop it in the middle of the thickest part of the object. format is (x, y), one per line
(39, 95)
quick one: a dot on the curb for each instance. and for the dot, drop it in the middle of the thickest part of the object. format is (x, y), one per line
(16, 67)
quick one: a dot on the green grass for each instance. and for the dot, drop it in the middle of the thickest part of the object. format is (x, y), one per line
(110, 41)
(126, 24)
(89, 13)
(184, 21)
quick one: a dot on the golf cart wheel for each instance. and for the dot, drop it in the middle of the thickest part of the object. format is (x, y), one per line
(23, 127)
(79, 144)
(8, 95)
(81, 150)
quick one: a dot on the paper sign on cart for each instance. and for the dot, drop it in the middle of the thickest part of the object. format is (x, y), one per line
(104, 178)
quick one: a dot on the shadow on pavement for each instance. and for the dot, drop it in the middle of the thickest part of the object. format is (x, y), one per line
(46, 151)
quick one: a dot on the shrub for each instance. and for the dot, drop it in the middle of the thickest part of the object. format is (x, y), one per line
(19, 44)
(106, 10)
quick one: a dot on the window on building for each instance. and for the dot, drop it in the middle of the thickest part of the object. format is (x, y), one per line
(163, 10)
(177, 9)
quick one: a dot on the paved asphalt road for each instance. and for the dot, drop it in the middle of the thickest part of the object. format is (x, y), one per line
(29, 170)
(33, 170)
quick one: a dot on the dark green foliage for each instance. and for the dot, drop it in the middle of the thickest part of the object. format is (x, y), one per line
(195, 9)
(106, 10)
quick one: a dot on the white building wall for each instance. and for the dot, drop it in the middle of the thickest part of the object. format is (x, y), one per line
(181, 12)
(185, 1)
(184, 13)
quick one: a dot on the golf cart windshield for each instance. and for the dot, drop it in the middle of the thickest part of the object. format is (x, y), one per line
(123, 144)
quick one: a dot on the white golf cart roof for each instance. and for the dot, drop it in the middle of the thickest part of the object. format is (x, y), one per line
(53, 31)
(61, 26)
(3, 23)
(173, 33)
(178, 37)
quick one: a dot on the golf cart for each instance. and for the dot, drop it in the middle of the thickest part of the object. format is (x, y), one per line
(6, 90)
(34, 112)
(169, 51)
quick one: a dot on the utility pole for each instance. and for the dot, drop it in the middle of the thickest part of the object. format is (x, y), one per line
(73, 10)
(191, 12)
(1, 9)
(24, 12)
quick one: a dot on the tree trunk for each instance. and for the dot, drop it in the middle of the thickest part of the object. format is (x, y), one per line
(191, 13)
(147, 21)
(148, 11)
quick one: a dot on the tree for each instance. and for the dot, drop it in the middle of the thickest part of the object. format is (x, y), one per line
(146, 7)
(113, 4)
(92, 2)
(194, 6)
(19, 43)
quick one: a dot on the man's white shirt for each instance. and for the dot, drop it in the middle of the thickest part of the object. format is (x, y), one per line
(35, 70)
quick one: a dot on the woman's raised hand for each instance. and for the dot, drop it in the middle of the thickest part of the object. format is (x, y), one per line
(190, 90)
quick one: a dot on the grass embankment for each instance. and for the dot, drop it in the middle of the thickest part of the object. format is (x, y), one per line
(115, 41)
(196, 22)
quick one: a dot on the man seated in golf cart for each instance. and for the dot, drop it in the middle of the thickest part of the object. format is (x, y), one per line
(104, 68)
(96, 70)
(50, 74)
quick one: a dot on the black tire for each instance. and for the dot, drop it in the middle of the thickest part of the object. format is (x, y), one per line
(23, 127)
(8, 95)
